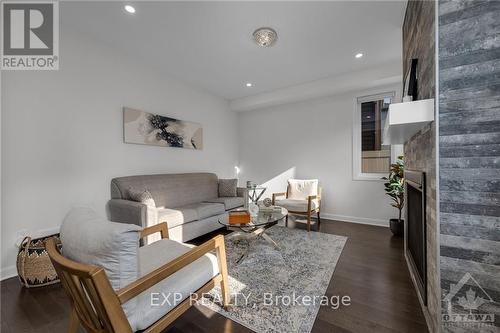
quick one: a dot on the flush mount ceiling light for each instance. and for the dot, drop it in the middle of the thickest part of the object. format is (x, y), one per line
(358, 55)
(265, 36)
(249, 84)
(130, 9)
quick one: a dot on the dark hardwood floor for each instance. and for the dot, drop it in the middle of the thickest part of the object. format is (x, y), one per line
(371, 270)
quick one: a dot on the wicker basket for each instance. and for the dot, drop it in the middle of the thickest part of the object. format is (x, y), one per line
(33, 263)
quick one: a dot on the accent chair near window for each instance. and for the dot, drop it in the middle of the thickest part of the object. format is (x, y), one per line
(303, 197)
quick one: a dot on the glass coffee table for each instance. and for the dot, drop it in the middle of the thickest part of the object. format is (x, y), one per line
(255, 229)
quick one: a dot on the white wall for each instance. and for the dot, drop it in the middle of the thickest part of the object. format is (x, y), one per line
(62, 135)
(311, 139)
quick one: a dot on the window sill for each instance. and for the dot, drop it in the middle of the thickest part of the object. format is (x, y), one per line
(370, 176)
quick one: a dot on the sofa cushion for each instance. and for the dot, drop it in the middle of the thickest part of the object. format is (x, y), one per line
(88, 238)
(169, 190)
(150, 305)
(207, 209)
(177, 216)
(191, 230)
(189, 213)
(297, 205)
(227, 187)
(229, 202)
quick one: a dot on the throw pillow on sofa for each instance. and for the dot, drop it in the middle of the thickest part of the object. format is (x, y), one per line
(227, 187)
(142, 196)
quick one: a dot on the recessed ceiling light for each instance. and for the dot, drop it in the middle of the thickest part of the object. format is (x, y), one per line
(130, 9)
(359, 55)
(265, 36)
(249, 84)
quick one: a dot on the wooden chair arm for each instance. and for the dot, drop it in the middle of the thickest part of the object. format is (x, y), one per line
(160, 227)
(310, 198)
(161, 273)
(280, 194)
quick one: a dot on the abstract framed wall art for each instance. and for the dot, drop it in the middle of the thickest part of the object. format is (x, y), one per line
(146, 128)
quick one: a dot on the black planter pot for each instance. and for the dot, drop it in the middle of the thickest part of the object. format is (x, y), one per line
(397, 227)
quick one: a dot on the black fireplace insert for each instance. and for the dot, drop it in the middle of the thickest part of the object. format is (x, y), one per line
(415, 231)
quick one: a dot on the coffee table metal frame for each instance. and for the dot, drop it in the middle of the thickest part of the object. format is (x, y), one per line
(255, 230)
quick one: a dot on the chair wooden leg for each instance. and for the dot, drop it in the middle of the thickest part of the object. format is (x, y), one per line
(319, 219)
(286, 221)
(74, 322)
(224, 284)
(309, 222)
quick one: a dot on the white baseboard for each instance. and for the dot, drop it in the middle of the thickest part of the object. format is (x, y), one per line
(355, 219)
(8, 272)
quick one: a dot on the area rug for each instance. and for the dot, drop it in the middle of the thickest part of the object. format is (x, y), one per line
(271, 288)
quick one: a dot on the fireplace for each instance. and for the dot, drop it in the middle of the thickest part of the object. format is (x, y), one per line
(415, 231)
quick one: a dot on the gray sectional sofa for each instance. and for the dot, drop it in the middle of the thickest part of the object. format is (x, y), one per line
(188, 202)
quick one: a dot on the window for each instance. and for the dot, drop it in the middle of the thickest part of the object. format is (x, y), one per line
(371, 157)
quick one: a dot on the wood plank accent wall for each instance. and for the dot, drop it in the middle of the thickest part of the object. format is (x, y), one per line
(469, 148)
(420, 150)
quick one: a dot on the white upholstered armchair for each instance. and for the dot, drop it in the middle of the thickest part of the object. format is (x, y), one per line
(302, 197)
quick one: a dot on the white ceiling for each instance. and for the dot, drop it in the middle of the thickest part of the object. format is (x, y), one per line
(209, 44)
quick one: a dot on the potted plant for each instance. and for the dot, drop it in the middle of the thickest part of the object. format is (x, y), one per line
(394, 188)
